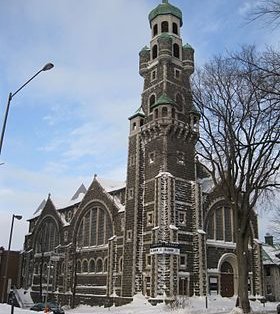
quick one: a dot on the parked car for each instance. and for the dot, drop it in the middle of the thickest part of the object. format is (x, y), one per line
(53, 306)
(278, 308)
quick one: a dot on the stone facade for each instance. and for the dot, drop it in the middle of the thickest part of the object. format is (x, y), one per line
(167, 231)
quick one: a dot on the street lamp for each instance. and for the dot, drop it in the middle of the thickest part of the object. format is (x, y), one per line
(18, 217)
(47, 67)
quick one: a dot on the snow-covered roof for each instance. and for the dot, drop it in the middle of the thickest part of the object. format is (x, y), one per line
(111, 185)
(207, 184)
(39, 208)
(269, 254)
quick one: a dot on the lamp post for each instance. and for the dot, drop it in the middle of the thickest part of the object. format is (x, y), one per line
(47, 67)
(18, 217)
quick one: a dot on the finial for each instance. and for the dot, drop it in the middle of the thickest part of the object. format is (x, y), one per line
(95, 176)
(164, 1)
(49, 195)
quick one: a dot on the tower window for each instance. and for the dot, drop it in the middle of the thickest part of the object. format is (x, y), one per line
(155, 30)
(156, 114)
(183, 261)
(164, 27)
(130, 193)
(173, 112)
(153, 75)
(141, 122)
(134, 126)
(180, 158)
(150, 218)
(151, 157)
(148, 260)
(176, 51)
(129, 235)
(152, 100)
(155, 52)
(177, 73)
(175, 28)
(164, 112)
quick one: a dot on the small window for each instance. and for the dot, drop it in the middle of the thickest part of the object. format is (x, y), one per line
(129, 235)
(156, 114)
(141, 122)
(180, 158)
(130, 193)
(183, 261)
(151, 157)
(155, 30)
(92, 266)
(85, 266)
(173, 113)
(99, 266)
(164, 27)
(152, 100)
(154, 51)
(164, 112)
(150, 218)
(181, 218)
(177, 73)
(175, 28)
(134, 125)
(148, 261)
(267, 271)
(176, 51)
(153, 75)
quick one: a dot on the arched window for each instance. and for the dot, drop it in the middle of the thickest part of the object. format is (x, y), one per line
(220, 224)
(99, 266)
(175, 28)
(164, 112)
(92, 266)
(152, 100)
(48, 237)
(154, 51)
(95, 228)
(141, 122)
(164, 27)
(85, 266)
(226, 268)
(176, 51)
(78, 267)
(105, 265)
(155, 30)
(156, 114)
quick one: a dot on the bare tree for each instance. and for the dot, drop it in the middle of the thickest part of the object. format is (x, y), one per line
(239, 102)
(269, 10)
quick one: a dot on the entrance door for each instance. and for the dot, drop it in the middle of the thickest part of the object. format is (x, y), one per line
(227, 282)
(183, 286)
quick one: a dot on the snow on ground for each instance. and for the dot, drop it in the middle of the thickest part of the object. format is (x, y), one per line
(195, 305)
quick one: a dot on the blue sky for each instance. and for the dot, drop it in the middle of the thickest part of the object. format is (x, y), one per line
(71, 122)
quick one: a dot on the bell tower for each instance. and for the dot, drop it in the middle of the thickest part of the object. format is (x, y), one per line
(162, 207)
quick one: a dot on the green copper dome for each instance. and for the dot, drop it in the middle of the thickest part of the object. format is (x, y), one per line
(166, 8)
(163, 100)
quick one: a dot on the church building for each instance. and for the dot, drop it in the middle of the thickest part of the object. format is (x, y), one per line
(165, 232)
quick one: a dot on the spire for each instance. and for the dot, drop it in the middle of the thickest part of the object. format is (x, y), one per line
(164, 1)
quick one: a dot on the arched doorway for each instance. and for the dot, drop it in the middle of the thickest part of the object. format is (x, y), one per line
(227, 280)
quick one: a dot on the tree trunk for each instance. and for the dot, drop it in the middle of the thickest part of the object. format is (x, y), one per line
(242, 261)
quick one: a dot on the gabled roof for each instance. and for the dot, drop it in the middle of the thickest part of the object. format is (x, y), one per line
(271, 254)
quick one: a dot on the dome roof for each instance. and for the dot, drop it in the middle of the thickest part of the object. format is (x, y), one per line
(166, 8)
